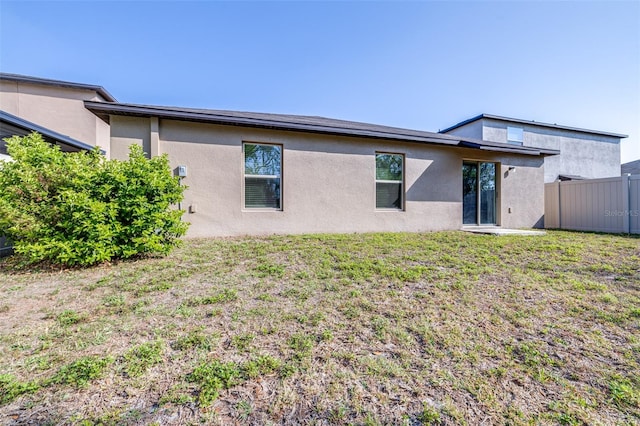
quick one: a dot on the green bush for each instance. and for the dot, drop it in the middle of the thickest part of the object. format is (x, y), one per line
(82, 209)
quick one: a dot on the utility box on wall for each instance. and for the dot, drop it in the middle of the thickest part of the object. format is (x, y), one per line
(182, 171)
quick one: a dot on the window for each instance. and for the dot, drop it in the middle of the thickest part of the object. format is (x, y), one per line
(262, 176)
(389, 181)
(514, 135)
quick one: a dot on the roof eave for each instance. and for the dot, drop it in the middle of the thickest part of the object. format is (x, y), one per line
(554, 126)
(533, 123)
(530, 151)
(513, 149)
(59, 83)
(104, 110)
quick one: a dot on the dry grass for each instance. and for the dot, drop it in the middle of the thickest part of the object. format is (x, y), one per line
(441, 328)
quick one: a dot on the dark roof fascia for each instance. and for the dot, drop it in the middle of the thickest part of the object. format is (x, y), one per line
(32, 127)
(58, 83)
(501, 147)
(287, 122)
(538, 151)
(533, 123)
(565, 178)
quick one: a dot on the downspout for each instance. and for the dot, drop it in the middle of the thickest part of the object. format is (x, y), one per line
(180, 184)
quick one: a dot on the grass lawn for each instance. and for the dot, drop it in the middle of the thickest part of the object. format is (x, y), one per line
(437, 328)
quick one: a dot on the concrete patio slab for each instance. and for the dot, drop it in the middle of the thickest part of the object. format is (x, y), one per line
(496, 230)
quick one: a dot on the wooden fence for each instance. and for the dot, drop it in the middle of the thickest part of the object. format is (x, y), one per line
(600, 205)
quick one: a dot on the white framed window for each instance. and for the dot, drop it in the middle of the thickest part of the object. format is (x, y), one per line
(389, 181)
(515, 135)
(262, 176)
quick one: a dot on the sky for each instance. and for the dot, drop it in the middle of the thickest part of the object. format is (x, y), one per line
(420, 65)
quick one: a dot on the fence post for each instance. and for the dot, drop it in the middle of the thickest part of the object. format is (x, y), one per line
(626, 204)
(559, 205)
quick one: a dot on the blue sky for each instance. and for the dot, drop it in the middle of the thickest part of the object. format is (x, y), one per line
(421, 65)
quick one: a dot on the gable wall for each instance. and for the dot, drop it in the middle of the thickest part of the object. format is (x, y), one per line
(470, 130)
(56, 108)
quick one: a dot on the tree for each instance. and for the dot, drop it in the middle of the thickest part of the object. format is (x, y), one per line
(82, 209)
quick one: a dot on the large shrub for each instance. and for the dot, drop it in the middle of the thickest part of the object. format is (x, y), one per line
(82, 209)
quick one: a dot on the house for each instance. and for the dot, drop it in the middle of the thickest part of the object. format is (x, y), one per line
(255, 173)
(259, 173)
(631, 168)
(584, 154)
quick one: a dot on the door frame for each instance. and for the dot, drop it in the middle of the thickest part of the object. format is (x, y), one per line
(497, 203)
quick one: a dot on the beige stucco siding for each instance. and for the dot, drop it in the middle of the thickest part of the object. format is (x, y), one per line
(328, 181)
(126, 131)
(59, 109)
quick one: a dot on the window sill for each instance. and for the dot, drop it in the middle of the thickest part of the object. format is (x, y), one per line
(261, 210)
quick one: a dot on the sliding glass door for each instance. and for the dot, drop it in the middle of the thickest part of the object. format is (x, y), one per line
(479, 193)
(470, 193)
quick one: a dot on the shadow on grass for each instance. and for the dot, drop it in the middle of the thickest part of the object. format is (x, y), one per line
(17, 264)
(613, 234)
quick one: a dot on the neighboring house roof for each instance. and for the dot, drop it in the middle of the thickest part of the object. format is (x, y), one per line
(11, 125)
(632, 167)
(534, 123)
(303, 123)
(570, 177)
(58, 83)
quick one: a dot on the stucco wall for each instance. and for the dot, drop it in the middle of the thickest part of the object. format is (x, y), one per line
(328, 182)
(56, 108)
(126, 131)
(582, 154)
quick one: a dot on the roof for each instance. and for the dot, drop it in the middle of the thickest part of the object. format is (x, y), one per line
(303, 123)
(12, 120)
(632, 167)
(534, 123)
(570, 177)
(58, 83)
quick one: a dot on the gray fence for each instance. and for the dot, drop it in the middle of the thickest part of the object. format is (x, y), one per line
(600, 205)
